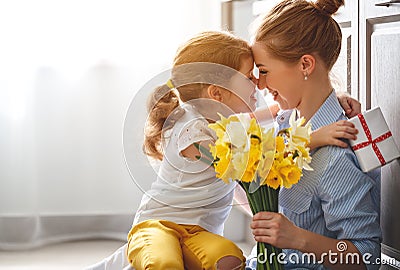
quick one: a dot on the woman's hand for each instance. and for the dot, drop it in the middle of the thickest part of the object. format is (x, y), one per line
(277, 230)
(351, 106)
(331, 134)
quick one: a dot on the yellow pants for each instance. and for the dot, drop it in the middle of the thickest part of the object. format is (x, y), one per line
(165, 245)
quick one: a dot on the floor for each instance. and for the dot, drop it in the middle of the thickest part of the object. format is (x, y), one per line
(68, 255)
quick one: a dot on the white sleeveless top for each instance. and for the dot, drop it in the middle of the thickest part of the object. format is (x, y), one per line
(187, 191)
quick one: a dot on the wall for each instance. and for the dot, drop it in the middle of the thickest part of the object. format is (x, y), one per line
(69, 72)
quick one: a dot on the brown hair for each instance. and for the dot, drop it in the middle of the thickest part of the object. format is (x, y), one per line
(297, 27)
(212, 46)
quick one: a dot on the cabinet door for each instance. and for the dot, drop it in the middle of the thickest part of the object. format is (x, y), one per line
(380, 86)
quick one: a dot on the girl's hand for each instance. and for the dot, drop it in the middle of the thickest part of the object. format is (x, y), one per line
(276, 229)
(331, 134)
(351, 106)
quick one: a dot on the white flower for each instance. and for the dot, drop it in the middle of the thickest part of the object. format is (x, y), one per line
(236, 133)
(298, 140)
(299, 134)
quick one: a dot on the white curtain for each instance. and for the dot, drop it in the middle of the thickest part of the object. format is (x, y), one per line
(68, 72)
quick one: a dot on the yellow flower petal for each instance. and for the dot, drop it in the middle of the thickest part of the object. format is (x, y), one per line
(266, 164)
(273, 180)
(279, 144)
(291, 175)
(248, 176)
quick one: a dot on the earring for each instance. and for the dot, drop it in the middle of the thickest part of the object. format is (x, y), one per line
(306, 76)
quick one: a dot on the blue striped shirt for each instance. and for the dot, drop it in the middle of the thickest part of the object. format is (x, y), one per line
(336, 199)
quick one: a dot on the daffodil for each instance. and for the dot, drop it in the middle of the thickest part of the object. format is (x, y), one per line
(279, 144)
(274, 179)
(254, 128)
(265, 164)
(299, 133)
(236, 134)
(303, 157)
(291, 175)
(244, 151)
(260, 161)
(239, 163)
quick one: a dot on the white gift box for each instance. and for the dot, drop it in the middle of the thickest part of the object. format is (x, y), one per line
(374, 146)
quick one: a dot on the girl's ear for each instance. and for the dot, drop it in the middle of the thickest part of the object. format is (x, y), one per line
(307, 62)
(214, 92)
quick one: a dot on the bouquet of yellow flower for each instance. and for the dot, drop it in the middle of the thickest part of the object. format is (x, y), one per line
(261, 163)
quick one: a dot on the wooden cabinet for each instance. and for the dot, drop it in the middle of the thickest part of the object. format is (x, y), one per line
(369, 69)
(379, 71)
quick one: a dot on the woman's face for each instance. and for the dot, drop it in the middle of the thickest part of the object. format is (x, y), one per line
(281, 78)
(241, 96)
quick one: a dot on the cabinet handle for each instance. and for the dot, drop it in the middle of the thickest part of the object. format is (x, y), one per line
(388, 3)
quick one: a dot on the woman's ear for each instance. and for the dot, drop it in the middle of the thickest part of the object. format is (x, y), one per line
(214, 92)
(307, 62)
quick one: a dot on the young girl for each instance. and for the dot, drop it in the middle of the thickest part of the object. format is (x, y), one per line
(335, 208)
(180, 220)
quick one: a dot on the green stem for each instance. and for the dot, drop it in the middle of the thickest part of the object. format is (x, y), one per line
(264, 199)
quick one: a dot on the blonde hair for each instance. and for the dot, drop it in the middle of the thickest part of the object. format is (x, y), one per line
(297, 27)
(213, 47)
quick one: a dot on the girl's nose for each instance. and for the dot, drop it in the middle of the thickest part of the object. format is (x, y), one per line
(262, 84)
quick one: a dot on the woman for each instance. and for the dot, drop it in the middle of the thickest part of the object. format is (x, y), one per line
(335, 208)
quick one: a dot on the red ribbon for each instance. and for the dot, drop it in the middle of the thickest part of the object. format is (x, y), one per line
(370, 141)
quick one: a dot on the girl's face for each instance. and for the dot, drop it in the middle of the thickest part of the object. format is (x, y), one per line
(241, 96)
(282, 79)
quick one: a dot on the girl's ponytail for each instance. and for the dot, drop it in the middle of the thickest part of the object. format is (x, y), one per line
(162, 102)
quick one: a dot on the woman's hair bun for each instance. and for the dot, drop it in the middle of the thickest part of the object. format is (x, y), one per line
(329, 6)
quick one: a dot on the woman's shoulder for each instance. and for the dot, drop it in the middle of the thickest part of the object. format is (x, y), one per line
(341, 169)
(328, 158)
